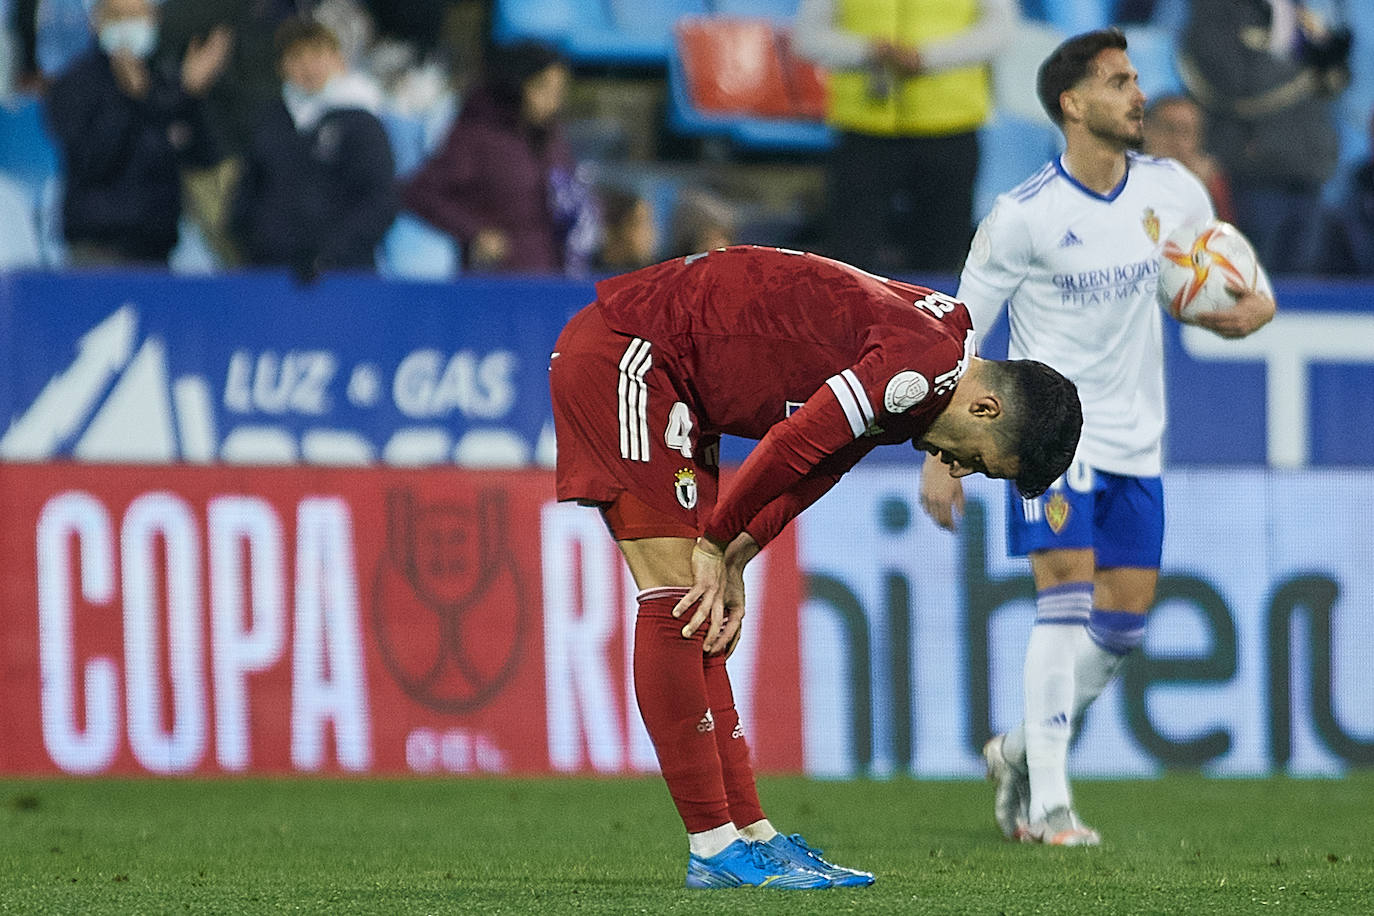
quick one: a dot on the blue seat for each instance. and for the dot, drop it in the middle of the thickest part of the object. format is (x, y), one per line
(1153, 51)
(406, 134)
(27, 151)
(29, 158)
(415, 250)
(542, 20)
(1011, 149)
(1074, 16)
(611, 32)
(777, 10)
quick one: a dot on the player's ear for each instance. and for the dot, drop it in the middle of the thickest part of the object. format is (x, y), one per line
(986, 406)
(1069, 104)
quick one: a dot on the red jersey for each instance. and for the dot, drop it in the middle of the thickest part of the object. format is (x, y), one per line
(819, 360)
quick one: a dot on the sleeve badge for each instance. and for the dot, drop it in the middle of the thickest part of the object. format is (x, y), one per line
(905, 391)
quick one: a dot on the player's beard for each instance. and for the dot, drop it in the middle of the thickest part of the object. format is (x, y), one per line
(1130, 135)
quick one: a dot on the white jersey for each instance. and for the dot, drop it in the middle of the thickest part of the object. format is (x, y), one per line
(1078, 270)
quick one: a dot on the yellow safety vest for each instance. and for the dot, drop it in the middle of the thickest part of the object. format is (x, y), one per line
(940, 104)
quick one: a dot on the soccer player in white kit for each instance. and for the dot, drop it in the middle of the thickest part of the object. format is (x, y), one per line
(1073, 252)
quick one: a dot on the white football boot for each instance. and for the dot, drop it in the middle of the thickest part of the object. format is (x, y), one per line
(1011, 803)
(1061, 827)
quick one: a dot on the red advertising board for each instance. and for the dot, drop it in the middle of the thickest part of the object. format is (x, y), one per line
(225, 620)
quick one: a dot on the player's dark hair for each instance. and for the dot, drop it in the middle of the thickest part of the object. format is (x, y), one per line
(1043, 421)
(1069, 63)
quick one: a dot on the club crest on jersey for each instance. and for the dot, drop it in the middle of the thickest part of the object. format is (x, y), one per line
(1057, 512)
(685, 487)
(1151, 223)
(905, 391)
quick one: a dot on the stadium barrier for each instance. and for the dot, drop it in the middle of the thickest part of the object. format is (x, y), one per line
(235, 541)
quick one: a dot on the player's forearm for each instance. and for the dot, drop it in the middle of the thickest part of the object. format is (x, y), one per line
(768, 472)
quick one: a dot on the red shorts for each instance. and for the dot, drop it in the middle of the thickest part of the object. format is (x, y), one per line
(628, 441)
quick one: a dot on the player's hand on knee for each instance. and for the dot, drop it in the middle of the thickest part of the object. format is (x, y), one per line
(942, 496)
(730, 632)
(707, 591)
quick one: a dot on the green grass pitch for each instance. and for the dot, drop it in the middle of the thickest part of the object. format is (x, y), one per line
(1180, 844)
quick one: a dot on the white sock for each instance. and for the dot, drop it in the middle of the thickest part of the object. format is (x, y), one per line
(761, 831)
(1014, 747)
(1094, 668)
(1049, 690)
(710, 842)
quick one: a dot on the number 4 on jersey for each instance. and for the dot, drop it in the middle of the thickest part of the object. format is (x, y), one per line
(678, 433)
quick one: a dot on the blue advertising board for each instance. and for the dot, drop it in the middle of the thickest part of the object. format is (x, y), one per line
(256, 369)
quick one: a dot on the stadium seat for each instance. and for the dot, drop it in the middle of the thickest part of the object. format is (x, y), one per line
(1011, 149)
(728, 78)
(414, 250)
(732, 66)
(1152, 51)
(29, 158)
(776, 10)
(806, 80)
(27, 152)
(540, 20)
(406, 134)
(19, 245)
(608, 32)
(1074, 16)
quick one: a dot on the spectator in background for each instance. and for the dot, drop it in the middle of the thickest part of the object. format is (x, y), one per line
(629, 235)
(908, 91)
(317, 189)
(1355, 217)
(249, 83)
(503, 182)
(1266, 72)
(1173, 130)
(700, 222)
(124, 129)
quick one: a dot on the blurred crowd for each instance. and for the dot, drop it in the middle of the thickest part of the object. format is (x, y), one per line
(320, 135)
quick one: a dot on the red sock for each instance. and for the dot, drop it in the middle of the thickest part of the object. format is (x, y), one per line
(670, 686)
(736, 768)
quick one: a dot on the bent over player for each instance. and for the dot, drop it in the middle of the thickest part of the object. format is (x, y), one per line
(821, 362)
(1074, 251)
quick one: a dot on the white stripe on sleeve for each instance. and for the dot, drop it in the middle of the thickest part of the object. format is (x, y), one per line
(853, 409)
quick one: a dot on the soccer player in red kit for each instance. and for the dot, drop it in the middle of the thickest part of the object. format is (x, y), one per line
(819, 361)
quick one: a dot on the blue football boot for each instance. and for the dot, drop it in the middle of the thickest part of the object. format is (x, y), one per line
(798, 852)
(745, 864)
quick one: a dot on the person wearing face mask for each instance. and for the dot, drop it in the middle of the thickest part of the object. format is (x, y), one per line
(503, 182)
(124, 129)
(317, 190)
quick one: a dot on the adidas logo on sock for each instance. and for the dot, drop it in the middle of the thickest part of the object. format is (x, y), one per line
(1058, 720)
(707, 723)
(1069, 240)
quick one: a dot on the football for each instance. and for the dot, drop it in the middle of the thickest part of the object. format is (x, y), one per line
(1196, 265)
